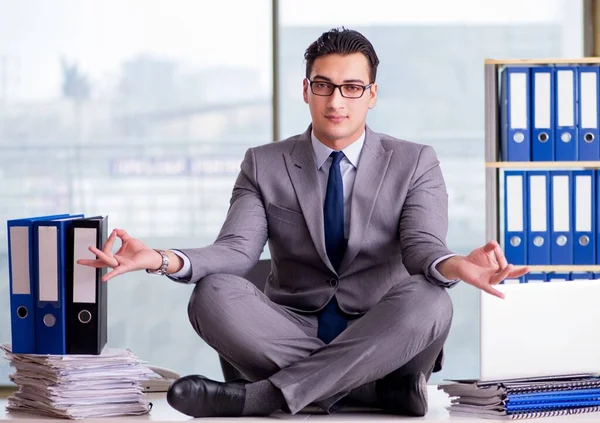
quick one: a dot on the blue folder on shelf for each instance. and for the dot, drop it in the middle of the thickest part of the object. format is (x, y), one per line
(542, 111)
(561, 249)
(597, 217)
(515, 113)
(558, 276)
(536, 277)
(515, 217)
(584, 217)
(565, 113)
(588, 135)
(576, 276)
(538, 232)
(511, 281)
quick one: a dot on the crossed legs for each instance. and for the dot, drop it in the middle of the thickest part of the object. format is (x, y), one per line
(402, 334)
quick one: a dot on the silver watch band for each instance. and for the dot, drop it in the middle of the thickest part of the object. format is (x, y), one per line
(162, 270)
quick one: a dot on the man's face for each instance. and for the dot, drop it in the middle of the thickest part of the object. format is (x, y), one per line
(339, 121)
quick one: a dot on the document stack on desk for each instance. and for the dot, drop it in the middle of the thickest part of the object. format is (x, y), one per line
(78, 386)
(515, 399)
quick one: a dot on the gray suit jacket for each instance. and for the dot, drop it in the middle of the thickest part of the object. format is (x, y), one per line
(398, 223)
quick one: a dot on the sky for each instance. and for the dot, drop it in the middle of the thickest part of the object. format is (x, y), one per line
(101, 34)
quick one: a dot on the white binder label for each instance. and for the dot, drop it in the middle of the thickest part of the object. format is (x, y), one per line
(48, 263)
(19, 259)
(514, 203)
(583, 203)
(589, 98)
(565, 98)
(84, 277)
(537, 203)
(560, 203)
(542, 100)
(518, 101)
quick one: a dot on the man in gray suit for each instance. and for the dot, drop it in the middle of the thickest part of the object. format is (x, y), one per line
(356, 304)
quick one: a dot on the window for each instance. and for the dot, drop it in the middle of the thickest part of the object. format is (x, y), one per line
(141, 110)
(431, 91)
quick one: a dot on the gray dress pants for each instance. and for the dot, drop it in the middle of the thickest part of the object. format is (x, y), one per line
(404, 333)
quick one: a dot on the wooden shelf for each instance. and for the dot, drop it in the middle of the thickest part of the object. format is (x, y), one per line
(588, 268)
(541, 165)
(579, 60)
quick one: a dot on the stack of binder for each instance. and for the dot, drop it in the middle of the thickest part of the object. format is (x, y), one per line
(515, 399)
(550, 113)
(551, 218)
(57, 305)
(78, 386)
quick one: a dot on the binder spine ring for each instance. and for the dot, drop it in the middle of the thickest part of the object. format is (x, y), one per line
(561, 241)
(543, 137)
(584, 240)
(589, 137)
(49, 320)
(565, 137)
(519, 137)
(84, 316)
(538, 241)
(515, 241)
(22, 312)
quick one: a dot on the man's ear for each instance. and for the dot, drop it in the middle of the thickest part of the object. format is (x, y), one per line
(373, 95)
(305, 90)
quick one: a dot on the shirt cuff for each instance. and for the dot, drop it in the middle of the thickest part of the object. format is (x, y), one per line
(434, 273)
(186, 271)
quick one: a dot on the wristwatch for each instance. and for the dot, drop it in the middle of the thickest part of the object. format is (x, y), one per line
(162, 270)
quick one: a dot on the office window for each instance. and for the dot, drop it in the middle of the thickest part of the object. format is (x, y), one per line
(141, 110)
(431, 91)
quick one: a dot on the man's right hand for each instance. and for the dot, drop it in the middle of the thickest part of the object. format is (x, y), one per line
(133, 255)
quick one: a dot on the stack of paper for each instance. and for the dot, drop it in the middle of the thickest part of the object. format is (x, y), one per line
(79, 386)
(524, 398)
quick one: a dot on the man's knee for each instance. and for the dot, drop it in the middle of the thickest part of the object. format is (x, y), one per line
(211, 298)
(221, 312)
(430, 302)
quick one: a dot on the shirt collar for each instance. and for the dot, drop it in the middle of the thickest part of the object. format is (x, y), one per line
(322, 152)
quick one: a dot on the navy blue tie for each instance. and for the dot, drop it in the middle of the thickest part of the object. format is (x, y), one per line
(331, 320)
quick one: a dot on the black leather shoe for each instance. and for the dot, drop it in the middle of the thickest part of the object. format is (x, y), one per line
(198, 396)
(406, 395)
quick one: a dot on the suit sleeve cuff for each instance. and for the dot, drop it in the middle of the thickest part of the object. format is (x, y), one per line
(434, 273)
(185, 273)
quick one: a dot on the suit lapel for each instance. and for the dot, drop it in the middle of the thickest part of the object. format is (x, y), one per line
(301, 167)
(372, 167)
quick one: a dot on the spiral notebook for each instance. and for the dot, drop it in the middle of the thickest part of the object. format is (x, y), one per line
(524, 398)
(532, 414)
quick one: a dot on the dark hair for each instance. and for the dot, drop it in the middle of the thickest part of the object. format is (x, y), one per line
(341, 41)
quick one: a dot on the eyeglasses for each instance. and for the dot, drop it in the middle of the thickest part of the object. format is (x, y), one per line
(325, 89)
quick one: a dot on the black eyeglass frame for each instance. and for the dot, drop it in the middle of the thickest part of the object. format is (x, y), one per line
(339, 87)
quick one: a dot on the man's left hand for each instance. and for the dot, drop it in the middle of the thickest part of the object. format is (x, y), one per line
(483, 268)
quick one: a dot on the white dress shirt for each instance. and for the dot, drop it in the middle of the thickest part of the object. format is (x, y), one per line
(348, 167)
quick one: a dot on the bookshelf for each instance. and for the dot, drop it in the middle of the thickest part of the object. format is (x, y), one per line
(516, 335)
(493, 164)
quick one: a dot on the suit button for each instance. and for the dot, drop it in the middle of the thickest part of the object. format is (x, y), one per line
(333, 282)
